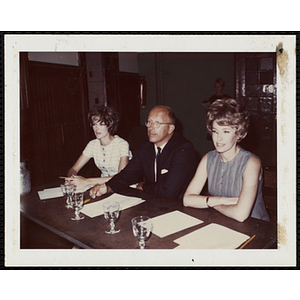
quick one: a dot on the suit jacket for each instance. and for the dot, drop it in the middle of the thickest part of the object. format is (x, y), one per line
(176, 168)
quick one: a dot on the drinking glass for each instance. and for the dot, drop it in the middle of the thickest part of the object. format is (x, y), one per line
(111, 214)
(77, 204)
(68, 192)
(142, 227)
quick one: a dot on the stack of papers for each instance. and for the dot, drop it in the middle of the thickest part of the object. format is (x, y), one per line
(173, 222)
(56, 192)
(96, 208)
(212, 236)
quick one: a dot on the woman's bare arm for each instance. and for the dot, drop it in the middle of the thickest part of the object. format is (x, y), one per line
(241, 211)
(192, 197)
(80, 181)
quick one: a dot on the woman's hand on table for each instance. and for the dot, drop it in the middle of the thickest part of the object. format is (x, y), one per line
(140, 186)
(78, 181)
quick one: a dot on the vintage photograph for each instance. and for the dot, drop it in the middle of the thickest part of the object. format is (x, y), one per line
(150, 150)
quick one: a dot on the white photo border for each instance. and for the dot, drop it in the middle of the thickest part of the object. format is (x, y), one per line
(285, 255)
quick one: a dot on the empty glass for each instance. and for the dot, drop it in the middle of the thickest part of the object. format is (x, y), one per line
(68, 192)
(77, 204)
(111, 214)
(142, 227)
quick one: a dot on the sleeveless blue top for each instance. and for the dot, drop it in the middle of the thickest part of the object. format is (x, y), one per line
(226, 179)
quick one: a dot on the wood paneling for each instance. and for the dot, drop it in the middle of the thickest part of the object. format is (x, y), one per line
(123, 93)
(256, 89)
(130, 102)
(54, 127)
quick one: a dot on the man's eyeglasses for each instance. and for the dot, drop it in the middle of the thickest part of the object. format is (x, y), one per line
(155, 124)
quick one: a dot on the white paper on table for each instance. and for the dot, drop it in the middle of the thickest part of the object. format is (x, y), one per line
(56, 192)
(96, 208)
(212, 236)
(50, 193)
(172, 222)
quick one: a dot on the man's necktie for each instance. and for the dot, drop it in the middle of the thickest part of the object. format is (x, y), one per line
(157, 159)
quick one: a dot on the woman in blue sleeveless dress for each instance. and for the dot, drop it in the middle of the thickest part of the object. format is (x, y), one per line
(234, 175)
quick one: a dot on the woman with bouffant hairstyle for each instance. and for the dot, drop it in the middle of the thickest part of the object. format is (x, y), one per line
(234, 175)
(110, 152)
(229, 112)
(107, 115)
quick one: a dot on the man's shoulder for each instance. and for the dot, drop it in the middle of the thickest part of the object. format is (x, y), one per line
(179, 140)
(145, 145)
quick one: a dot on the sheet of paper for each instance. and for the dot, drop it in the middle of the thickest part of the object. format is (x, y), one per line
(96, 208)
(172, 222)
(212, 236)
(56, 192)
(50, 193)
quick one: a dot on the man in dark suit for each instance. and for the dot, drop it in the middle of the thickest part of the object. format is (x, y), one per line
(167, 160)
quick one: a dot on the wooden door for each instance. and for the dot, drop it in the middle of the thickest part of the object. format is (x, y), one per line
(123, 91)
(130, 102)
(256, 88)
(53, 117)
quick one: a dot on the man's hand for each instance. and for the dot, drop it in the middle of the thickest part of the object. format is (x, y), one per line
(98, 190)
(140, 186)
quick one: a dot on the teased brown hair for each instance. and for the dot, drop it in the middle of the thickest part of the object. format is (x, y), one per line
(105, 114)
(229, 112)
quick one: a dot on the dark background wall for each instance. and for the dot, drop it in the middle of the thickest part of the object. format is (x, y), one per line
(182, 81)
(179, 80)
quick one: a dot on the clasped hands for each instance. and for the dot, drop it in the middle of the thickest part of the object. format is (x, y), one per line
(78, 181)
(101, 189)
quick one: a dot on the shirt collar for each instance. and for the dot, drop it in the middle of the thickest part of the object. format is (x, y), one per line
(161, 147)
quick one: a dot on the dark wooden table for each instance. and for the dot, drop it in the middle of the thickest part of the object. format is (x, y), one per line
(89, 233)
